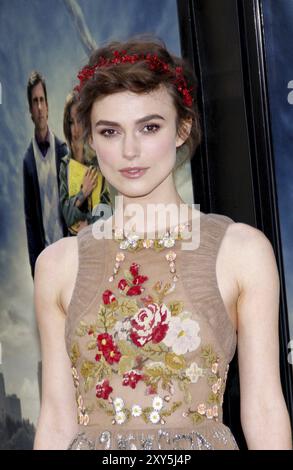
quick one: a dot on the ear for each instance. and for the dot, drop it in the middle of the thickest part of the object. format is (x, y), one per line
(183, 131)
(91, 143)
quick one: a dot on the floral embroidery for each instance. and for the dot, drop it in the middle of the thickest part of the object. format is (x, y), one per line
(143, 341)
(150, 324)
(210, 409)
(154, 414)
(182, 335)
(82, 411)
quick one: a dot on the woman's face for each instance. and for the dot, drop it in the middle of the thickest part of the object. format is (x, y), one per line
(138, 131)
(75, 127)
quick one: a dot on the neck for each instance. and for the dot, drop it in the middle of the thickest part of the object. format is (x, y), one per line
(41, 134)
(77, 151)
(160, 210)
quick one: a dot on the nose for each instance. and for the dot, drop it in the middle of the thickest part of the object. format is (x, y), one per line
(130, 146)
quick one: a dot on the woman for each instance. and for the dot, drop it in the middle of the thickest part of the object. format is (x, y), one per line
(77, 208)
(150, 327)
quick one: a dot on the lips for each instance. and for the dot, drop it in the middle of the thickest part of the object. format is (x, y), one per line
(133, 172)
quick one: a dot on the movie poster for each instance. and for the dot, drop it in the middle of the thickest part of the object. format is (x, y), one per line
(278, 39)
(55, 38)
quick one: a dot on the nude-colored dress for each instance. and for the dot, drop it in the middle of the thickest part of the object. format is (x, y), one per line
(149, 351)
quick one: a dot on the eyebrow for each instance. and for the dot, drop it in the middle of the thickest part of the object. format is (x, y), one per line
(139, 121)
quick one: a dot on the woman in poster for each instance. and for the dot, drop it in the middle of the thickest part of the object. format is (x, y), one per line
(77, 207)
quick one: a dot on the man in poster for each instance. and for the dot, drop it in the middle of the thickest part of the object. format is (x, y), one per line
(41, 163)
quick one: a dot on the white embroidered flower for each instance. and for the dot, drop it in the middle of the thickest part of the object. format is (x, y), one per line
(215, 411)
(182, 335)
(118, 404)
(209, 413)
(215, 367)
(194, 372)
(120, 417)
(136, 410)
(215, 388)
(201, 409)
(121, 329)
(154, 417)
(157, 403)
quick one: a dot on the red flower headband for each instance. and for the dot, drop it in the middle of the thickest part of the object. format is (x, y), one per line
(154, 63)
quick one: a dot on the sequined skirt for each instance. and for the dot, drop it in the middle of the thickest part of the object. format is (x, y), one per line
(214, 436)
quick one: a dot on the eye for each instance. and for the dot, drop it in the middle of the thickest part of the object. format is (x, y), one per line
(151, 128)
(108, 132)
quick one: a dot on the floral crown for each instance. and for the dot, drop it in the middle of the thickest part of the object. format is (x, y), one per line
(154, 63)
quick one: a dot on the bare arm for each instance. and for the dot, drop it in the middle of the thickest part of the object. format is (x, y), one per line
(57, 421)
(264, 415)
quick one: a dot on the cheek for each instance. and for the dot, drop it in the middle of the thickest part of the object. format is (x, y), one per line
(162, 147)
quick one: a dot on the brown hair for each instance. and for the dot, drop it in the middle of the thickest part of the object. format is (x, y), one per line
(71, 99)
(139, 78)
(34, 79)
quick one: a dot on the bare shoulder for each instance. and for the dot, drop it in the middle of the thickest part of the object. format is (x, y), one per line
(55, 257)
(251, 252)
(56, 265)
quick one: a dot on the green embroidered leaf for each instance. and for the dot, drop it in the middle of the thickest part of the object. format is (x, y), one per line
(128, 276)
(74, 354)
(87, 369)
(106, 318)
(175, 307)
(154, 351)
(171, 410)
(146, 413)
(125, 364)
(104, 405)
(88, 383)
(92, 345)
(213, 399)
(82, 329)
(127, 307)
(208, 355)
(126, 348)
(196, 417)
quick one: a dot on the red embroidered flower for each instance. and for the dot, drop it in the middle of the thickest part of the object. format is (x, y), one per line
(108, 348)
(135, 290)
(134, 269)
(112, 354)
(105, 341)
(108, 297)
(122, 284)
(103, 390)
(133, 287)
(150, 324)
(98, 357)
(131, 378)
(139, 280)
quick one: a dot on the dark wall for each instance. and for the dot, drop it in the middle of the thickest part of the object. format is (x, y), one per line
(233, 170)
